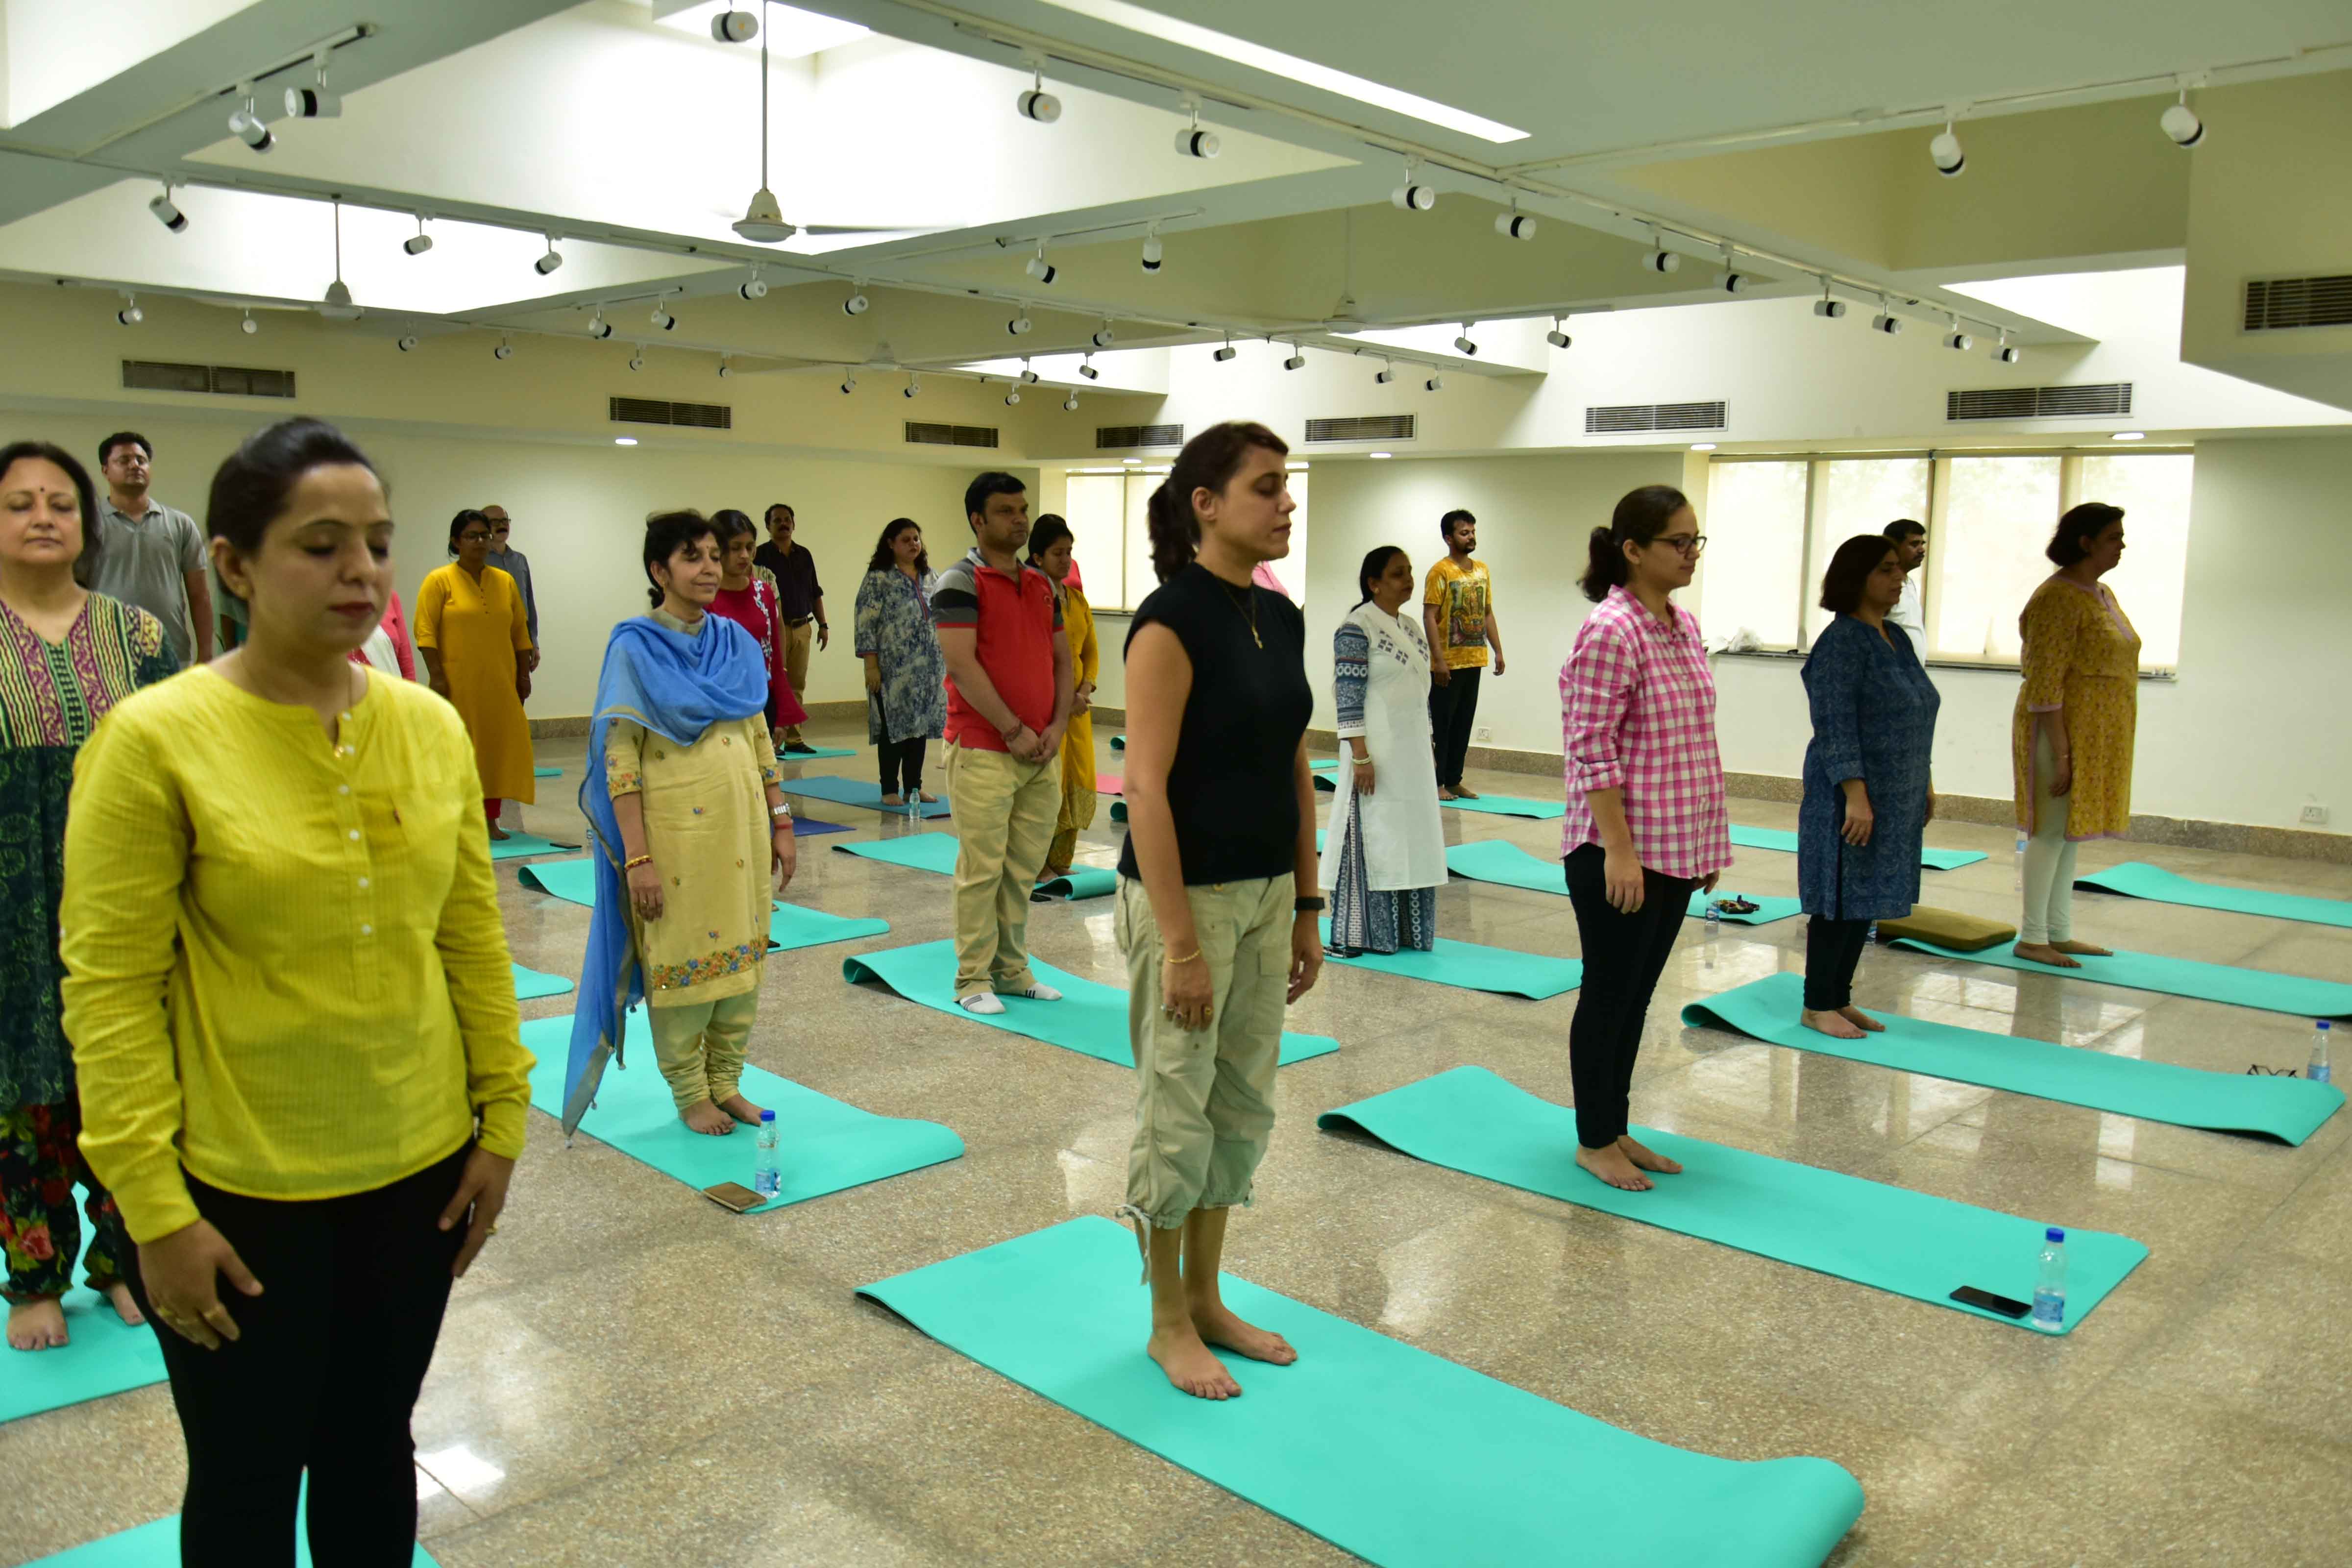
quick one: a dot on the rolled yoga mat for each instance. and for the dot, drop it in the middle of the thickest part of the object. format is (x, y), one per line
(2138, 880)
(1471, 967)
(2287, 1108)
(1775, 839)
(1507, 865)
(814, 753)
(102, 1354)
(1911, 1244)
(2222, 982)
(1090, 1019)
(789, 925)
(1403, 1458)
(531, 985)
(518, 846)
(546, 772)
(937, 852)
(1118, 742)
(1118, 811)
(824, 1144)
(856, 792)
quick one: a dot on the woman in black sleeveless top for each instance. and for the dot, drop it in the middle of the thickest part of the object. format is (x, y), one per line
(1217, 901)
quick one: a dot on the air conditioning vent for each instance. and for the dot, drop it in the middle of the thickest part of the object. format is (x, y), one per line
(924, 435)
(2101, 400)
(219, 380)
(653, 411)
(1364, 427)
(1112, 437)
(2279, 304)
(1628, 418)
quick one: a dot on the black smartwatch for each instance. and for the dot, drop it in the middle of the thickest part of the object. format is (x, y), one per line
(1308, 906)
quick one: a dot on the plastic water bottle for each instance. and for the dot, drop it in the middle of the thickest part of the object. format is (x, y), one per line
(2319, 1071)
(1873, 938)
(2017, 875)
(1714, 919)
(765, 1180)
(2049, 1283)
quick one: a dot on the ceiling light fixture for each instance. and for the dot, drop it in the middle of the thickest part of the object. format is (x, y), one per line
(1038, 104)
(1463, 343)
(733, 26)
(1413, 197)
(314, 102)
(419, 243)
(1702, 445)
(1434, 384)
(1151, 248)
(1886, 320)
(245, 123)
(1515, 224)
(1103, 337)
(725, 369)
(131, 315)
(625, 440)
(1957, 339)
(1386, 373)
(1660, 259)
(1227, 352)
(914, 385)
(407, 344)
(1087, 368)
(1027, 374)
(1040, 268)
(857, 304)
(2128, 435)
(1945, 152)
(848, 383)
(546, 265)
(1735, 282)
(752, 288)
(2181, 122)
(762, 222)
(1191, 141)
(1298, 360)
(170, 216)
(505, 350)
(637, 359)
(1019, 325)
(248, 326)
(1557, 337)
(1379, 457)
(1829, 310)
(792, 32)
(336, 305)
(598, 327)
(1070, 403)
(1013, 397)
(2006, 354)
(662, 320)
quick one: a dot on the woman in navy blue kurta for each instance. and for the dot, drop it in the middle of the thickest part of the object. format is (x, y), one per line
(1868, 796)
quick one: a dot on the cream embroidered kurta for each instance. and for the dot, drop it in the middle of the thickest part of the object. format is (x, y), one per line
(1404, 841)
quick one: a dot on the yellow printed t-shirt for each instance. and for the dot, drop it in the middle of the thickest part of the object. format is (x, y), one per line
(1462, 596)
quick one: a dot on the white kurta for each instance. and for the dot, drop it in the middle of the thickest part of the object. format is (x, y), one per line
(1404, 840)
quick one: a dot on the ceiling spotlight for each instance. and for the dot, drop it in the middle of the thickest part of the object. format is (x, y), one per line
(505, 348)
(1410, 197)
(1463, 343)
(248, 326)
(914, 385)
(1151, 251)
(1557, 337)
(1886, 322)
(857, 304)
(1945, 153)
(1379, 457)
(1028, 375)
(2128, 435)
(131, 315)
(598, 327)
(170, 216)
(1298, 360)
(1192, 142)
(734, 26)
(1957, 339)
(849, 383)
(1735, 282)
(1385, 374)
(1663, 260)
(2181, 122)
(637, 360)
(1070, 403)
(1224, 354)
(1013, 397)
(1829, 308)
(407, 345)
(1434, 384)
(662, 320)
(725, 369)
(421, 242)
(1019, 325)
(1042, 270)
(546, 265)
(752, 288)
(1103, 337)
(245, 124)
(1515, 224)
(1087, 368)
(1702, 445)
(625, 440)
(2005, 354)
(1038, 104)
(315, 102)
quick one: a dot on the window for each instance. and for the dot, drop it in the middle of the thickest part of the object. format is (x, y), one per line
(1108, 516)
(1862, 495)
(1755, 529)
(1996, 518)
(2153, 491)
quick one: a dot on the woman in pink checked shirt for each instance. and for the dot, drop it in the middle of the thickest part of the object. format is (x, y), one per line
(1645, 821)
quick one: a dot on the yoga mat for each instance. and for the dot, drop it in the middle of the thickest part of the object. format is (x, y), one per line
(546, 772)
(1911, 1244)
(1082, 882)
(809, 753)
(1090, 1019)
(1118, 742)
(824, 1144)
(2222, 982)
(1403, 1458)
(531, 985)
(1110, 784)
(1325, 774)
(2287, 1108)
(1767, 909)
(1775, 839)
(855, 792)
(2138, 880)
(1507, 865)
(516, 846)
(789, 925)
(937, 852)
(102, 1354)
(156, 1545)
(1471, 967)
(1118, 811)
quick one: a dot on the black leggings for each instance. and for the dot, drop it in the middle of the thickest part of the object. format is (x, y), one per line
(1832, 953)
(323, 1375)
(902, 766)
(1623, 956)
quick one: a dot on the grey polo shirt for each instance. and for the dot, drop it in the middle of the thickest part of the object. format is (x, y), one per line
(514, 564)
(144, 560)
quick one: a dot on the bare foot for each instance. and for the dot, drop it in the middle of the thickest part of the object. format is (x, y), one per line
(1836, 1026)
(1611, 1165)
(2083, 948)
(1862, 1020)
(37, 1325)
(1052, 871)
(124, 1307)
(1444, 794)
(929, 798)
(893, 798)
(1649, 1159)
(1188, 1365)
(1219, 1327)
(498, 833)
(705, 1117)
(741, 1110)
(1463, 791)
(2042, 953)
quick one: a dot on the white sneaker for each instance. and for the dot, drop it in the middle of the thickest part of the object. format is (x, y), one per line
(983, 1003)
(1037, 993)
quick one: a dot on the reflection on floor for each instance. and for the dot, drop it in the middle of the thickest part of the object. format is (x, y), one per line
(634, 1375)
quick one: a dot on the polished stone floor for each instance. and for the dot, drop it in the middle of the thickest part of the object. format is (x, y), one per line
(632, 1375)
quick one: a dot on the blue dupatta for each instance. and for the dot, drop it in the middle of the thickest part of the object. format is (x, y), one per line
(676, 686)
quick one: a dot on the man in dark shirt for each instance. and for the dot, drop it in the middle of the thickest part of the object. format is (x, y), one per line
(802, 599)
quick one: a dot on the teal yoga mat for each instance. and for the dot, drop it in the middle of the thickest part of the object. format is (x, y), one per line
(2221, 983)
(855, 792)
(531, 985)
(813, 753)
(1118, 742)
(517, 845)
(156, 1545)
(546, 772)
(1911, 1244)
(1118, 811)
(1403, 1458)
(1471, 967)
(1775, 839)
(824, 1144)
(789, 925)
(1767, 909)
(937, 852)
(1507, 865)
(1090, 1019)
(2287, 1108)
(102, 1354)
(1082, 882)
(2138, 880)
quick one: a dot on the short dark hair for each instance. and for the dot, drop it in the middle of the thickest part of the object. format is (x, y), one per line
(776, 506)
(252, 483)
(1901, 529)
(1641, 516)
(1446, 524)
(976, 494)
(1849, 567)
(730, 525)
(2077, 530)
(667, 533)
(1375, 566)
(1207, 462)
(106, 447)
(1046, 532)
(884, 559)
(457, 525)
(85, 566)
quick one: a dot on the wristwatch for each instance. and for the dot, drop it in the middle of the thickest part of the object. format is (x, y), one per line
(781, 813)
(1309, 906)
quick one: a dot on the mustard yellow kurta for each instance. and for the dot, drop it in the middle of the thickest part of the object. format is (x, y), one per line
(2081, 660)
(1077, 741)
(479, 628)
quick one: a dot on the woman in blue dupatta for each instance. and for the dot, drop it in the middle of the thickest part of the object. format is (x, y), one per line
(691, 838)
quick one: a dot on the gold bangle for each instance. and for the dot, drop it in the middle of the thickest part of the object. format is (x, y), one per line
(1188, 958)
(640, 860)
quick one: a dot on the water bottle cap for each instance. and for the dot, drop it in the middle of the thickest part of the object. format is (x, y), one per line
(766, 1116)
(2323, 1026)
(2055, 1234)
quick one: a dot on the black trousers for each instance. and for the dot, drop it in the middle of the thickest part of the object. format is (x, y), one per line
(1453, 713)
(1623, 956)
(323, 1376)
(1832, 953)
(902, 766)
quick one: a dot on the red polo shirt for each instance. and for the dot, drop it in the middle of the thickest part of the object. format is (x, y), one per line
(1015, 619)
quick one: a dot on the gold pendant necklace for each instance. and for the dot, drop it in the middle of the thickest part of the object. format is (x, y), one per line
(1250, 615)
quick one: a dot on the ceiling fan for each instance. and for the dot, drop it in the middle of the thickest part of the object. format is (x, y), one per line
(762, 222)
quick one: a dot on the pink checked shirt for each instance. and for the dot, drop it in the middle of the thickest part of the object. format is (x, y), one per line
(1637, 713)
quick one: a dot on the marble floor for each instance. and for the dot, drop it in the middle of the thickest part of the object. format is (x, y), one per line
(632, 1375)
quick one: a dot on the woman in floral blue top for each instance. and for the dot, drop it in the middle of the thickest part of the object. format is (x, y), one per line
(905, 674)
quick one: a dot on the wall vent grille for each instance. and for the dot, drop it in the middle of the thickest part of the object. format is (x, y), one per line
(654, 411)
(1364, 427)
(1627, 418)
(1113, 437)
(2280, 304)
(2111, 399)
(927, 434)
(218, 380)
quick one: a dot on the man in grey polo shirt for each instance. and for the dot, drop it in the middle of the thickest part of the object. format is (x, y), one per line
(150, 555)
(515, 564)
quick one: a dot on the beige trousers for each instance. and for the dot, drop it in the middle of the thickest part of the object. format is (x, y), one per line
(1004, 811)
(700, 1046)
(798, 641)
(1204, 1098)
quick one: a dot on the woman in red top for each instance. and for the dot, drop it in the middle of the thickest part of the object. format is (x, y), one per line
(749, 601)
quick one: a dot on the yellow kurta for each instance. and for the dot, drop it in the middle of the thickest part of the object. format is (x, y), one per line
(708, 831)
(2081, 660)
(479, 628)
(1078, 740)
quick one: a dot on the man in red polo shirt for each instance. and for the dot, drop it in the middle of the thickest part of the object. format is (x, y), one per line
(1009, 694)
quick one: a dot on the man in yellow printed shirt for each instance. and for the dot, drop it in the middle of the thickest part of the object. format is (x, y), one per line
(1458, 610)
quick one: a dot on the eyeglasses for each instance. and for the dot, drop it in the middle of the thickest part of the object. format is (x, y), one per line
(1688, 544)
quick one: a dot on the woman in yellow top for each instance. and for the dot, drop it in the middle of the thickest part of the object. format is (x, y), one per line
(294, 1019)
(1050, 543)
(473, 630)
(2070, 740)
(693, 838)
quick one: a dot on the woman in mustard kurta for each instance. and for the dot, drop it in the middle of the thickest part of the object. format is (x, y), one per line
(472, 629)
(1050, 542)
(2070, 740)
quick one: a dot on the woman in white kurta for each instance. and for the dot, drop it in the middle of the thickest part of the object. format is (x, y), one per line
(1385, 855)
